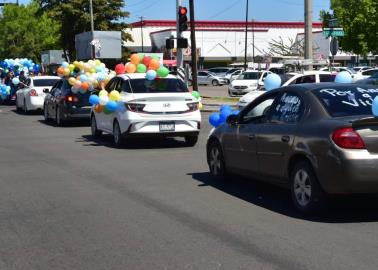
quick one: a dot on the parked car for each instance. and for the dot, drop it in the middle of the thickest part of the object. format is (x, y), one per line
(368, 73)
(62, 105)
(339, 69)
(314, 139)
(248, 98)
(163, 108)
(32, 96)
(206, 78)
(311, 77)
(361, 68)
(371, 80)
(248, 81)
(232, 75)
(219, 71)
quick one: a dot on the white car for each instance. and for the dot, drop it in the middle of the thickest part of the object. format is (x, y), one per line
(367, 73)
(230, 76)
(151, 108)
(361, 68)
(32, 96)
(248, 98)
(248, 81)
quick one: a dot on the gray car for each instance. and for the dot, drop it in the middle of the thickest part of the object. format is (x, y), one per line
(314, 139)
(206, 78)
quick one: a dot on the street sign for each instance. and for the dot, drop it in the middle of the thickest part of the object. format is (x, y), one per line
(333, 32)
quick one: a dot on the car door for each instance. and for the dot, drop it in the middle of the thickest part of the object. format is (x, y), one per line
(202, 77)
(49, 99)
(275, 136)
(245, 159)
(55, 98)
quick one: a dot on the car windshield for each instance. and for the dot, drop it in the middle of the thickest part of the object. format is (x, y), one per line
(163, 85)
(375, 76)
(347, 100)
(45, 82)
(250, 76)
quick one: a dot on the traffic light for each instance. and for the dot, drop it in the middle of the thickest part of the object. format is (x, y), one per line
(183, 20)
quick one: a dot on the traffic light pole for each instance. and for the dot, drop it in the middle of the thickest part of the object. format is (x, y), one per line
(194, 47)
(179, 53)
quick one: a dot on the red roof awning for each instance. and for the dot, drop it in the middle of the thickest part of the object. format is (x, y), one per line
(170, 63)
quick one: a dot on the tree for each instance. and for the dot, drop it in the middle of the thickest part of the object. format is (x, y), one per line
(24, 33)
(290, 48)
(74, 16)
(359, 20)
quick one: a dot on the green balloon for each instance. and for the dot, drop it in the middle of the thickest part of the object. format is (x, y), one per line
(196, 94)
(155, 57)
(107, 111)
(141, 68)
(162, 72)
(141, 56)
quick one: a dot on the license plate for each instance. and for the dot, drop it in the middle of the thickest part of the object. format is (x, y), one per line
(167, 126)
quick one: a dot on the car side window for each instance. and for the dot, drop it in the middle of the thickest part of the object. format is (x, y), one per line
(288, 108)
(58, 87)
(327, 77)
(202, 74)
(112, 85)
(257, 111)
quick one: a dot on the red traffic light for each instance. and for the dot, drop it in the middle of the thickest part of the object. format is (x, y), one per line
(183, 10)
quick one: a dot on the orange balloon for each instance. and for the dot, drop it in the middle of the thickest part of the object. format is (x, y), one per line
(85, 85)
(60, 70)
(154, 64)
(99, 108)
(130, 68)
(135, 59)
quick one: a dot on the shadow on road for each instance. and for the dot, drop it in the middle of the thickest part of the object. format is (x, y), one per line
(348, 209)
(70, 124)
(29, 113)
(133, 143)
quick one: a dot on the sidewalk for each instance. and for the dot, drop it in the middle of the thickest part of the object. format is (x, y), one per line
(212, 104)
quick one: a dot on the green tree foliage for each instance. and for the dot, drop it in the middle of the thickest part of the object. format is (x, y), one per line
(359, 18)
(74, 16)
(24, 33)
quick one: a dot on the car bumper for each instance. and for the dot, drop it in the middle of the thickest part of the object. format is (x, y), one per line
(76, 113)
(36, 103)
(240, 92)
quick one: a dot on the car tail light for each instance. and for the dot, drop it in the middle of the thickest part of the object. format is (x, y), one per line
(33, 93)
(192, 106)
(72, 99)
(135, 107)
(348, 138)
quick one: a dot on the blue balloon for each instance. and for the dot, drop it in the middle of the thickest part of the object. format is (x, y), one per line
(101, 76)
(272, 81)
(121, 106)
(343, 77)
(235, 112)
(94, 99)
(151, 75)
(65, 64)
(375, 106)
(223, 115)
(214, 119)
(37, 68)
(15, 81)
(111, 106)
(225, 107)
(83, 78)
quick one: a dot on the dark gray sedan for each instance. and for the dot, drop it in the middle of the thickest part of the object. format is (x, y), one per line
(315, 139)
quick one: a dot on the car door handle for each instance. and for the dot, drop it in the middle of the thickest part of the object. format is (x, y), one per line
(251, 136)
(285, 138)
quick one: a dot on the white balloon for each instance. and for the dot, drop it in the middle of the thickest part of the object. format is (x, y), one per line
(74, 90)
(104, 99)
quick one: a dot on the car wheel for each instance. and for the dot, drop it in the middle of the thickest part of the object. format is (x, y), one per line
(307, 195)
(214, 82)
(58, 118)
(117, 135)
(94, 130)
(216, 161)
(45, 113)
(230, 94)
(191, 140)
(25, 109)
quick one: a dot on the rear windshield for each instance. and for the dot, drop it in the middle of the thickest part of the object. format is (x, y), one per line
(327, 77)
(250, 76)
(162, 85)
(45, 82)
(347, 100)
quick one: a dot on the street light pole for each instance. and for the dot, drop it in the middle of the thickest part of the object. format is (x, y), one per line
(141, 31)
(253, 43)
(308, 31)
(246, 36)
(91, 11)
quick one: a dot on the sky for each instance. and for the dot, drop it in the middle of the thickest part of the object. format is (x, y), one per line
(260, 10)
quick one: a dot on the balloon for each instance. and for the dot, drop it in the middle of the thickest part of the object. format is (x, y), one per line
(163, 71)
(235, 112)
(99, 108)
(130, 68)
(65, 64)
(114, 95)
(77, 84)
(121, 106)
(83, 78)
(141, 68)
(196, 94)
(155, 57)
(223, 115)
(375, 106)
(15, 81)
(120, 69)
(154, 64)
(134, 59)
(101, 77)
(66, 72)
(60, 71)
(37, 68)
(72, 81)
(200, 105)
(94, 99)
(71, 67)
(85, 86)
(151, 75)
(272, 81)
(146, 60)
(103, 93)
(111, 106)
(107, 111)
(97, 62)
(343, 77)
(82, 90)
(103, 100)
(75, 90)
(214, 119)
(225, 107)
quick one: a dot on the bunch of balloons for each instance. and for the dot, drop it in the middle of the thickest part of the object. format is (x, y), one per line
(107, 102)
(141, 63)
(197, 96)
(85, 76)
(4, 91)
(375, 106)
(217, 119)
(20, 64)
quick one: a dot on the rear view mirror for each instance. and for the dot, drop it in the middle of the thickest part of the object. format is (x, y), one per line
(46, 91)
(232, 119)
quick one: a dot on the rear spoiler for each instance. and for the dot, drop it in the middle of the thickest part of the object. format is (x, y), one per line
(368, 121)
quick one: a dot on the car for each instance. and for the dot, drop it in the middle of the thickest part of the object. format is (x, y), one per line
(311, 77)
(206, 78)
(219, 71)
(367, 73)
(232, 75)
(314, 139)
(361, 68)
(64, 106)
(339, 69)
(248, 98)
(370, 80)
(248, 81)
(163, 108)
(32, 96)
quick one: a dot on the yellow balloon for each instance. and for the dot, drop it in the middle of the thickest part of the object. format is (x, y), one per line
(71, 67)
(114, 95)
(72, 81)
(76, 63)
(97, 62)
(93, 70)
(67, 72)
(103, 93)
(200, 106)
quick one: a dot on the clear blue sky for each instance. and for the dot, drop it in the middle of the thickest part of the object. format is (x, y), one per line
(262, 10)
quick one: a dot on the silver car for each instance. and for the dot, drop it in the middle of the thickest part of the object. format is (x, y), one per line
(314, 139)
(206, 78)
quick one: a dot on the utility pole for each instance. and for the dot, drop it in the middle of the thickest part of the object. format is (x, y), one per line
(141, 31)
(246, 36)
(179, 52)
(253, 43)
(93, 52)
(308, 31)
(194, 46)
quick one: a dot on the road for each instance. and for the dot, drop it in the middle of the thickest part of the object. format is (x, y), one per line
(214, 91)
(69, 202)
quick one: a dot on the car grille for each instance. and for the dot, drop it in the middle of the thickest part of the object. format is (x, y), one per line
(237, 87)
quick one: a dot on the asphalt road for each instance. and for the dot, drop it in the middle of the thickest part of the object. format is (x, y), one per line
(213, 91)
(68, 202)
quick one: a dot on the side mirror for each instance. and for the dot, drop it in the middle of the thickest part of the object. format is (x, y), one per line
(46, 91)
(232, 119)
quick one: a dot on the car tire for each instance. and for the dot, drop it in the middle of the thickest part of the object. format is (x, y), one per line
(45, 113)
(25, 108)
(215, 161)
(214, 83)
(117, 135)
(230, 94)
(191, 140)
(96, 133)
(307, 195)
(58, 118)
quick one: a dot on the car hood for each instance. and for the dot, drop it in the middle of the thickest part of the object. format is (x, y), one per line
(251, 96)
(244, 82)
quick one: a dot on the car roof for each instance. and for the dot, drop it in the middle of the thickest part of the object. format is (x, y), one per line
(316, 86)
(44, 78)
(128, 76)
